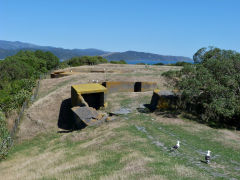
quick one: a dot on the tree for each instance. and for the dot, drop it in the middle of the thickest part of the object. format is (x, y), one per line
(210, 88)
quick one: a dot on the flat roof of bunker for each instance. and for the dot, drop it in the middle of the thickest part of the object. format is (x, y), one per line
(89, 88)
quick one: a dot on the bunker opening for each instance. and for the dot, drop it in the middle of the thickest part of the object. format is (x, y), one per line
(137, 86)
(95, 100)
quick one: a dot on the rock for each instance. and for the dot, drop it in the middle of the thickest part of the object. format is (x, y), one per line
(122, 111)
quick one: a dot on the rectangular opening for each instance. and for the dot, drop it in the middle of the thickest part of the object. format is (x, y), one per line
(137, 87)
(95, 100)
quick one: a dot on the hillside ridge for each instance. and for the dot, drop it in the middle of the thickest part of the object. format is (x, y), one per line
(9, 48)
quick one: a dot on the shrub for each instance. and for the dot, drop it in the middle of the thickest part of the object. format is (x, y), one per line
(4, 134)
(210, 87)
(85, 60)
(181, 63)
(159, 64)
(118, 62)
(18, 76)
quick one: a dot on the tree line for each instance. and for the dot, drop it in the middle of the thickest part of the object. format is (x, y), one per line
(210, 88)
(18, 76)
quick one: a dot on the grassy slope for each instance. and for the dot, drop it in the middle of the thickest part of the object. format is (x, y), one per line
(133, 146)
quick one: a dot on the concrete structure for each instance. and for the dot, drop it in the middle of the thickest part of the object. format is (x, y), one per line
(58, 74)
(163, 100)
(86, 98)
(92, 95)
(125, 86)
(87, 116)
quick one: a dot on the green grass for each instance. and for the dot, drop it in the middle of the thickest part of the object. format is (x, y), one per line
(137, 148)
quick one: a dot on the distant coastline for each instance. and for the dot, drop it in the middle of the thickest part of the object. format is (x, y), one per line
(151, 62)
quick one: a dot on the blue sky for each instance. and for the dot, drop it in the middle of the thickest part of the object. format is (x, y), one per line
(168, 27)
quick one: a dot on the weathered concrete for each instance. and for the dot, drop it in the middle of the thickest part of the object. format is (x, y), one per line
(126, 86)
(87, 115)
(163, 100)
(92, 95)
(59, 74)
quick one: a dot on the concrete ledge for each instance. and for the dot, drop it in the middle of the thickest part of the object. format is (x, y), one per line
(87, 115)
(126, 86)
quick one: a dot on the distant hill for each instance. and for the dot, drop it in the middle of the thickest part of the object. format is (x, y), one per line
(134, 55)
(9, 48)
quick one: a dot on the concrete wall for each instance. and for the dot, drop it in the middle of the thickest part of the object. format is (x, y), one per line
(93, 99)
(60, 74)
(148, 86)
(118, 86)
(125, 86)
(163, 100)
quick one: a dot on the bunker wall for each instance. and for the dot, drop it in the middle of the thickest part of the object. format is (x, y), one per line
(163, 100)
(124, 86)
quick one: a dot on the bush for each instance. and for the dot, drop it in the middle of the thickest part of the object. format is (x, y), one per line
(118, 62)
(4, 134)
(18, 76)
(210, 87)
(85, 60)
(159, 64)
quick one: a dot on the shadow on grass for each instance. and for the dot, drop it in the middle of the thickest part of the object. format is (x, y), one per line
(146, 108)
(66, 119)
(168, 113)
(212, 124)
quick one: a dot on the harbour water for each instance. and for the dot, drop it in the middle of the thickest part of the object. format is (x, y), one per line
(151, 62)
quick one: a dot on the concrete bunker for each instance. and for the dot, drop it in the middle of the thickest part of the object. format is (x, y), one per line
(92, 95)
(87, 116)
(162, 100)
(85, 99)
(126, 86)
(58, 74)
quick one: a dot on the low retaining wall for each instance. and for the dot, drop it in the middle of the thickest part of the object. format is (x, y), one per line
(125, 86)
(62, 74)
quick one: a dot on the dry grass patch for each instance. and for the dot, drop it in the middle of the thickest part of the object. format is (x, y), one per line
(187, 125)
(48, 164)
(184, 171)
(154, 177)
(91, 133)
(135, 163)
(228, 138)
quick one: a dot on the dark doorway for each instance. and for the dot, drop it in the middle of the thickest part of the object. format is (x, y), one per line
(95, 100)
(137, 87)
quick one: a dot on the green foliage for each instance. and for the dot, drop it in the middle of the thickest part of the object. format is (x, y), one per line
(3, 127)
(18, 76)
(159, 64)
(210, 88)
(171, 74)
(118, 62)
(4, 134)
(85, 60)
(180, 63)
(52, 61)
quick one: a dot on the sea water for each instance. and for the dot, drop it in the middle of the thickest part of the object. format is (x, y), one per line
(150, 62)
